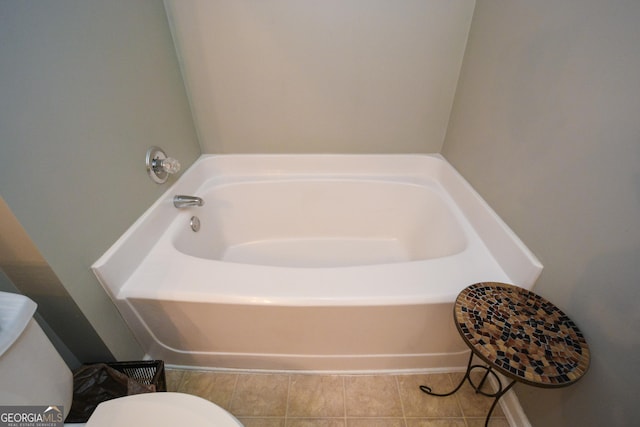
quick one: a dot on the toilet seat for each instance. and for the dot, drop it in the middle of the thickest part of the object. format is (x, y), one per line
(160, 409)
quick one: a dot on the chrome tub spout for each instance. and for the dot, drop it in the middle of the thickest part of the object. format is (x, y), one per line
(182, 201)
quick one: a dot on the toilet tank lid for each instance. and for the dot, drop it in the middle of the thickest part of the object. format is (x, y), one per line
(15, 313)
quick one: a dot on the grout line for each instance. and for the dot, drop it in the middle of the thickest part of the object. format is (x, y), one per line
(233, 392)
(404, 415)
(344, 400)
(286, 409)
(178, 386)
(453, 383)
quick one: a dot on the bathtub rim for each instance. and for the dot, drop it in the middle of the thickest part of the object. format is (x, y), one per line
(120, 261)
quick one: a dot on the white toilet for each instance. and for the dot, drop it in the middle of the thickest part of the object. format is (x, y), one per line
(33, 373)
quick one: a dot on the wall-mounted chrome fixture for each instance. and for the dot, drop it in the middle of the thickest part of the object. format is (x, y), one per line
(182, 201)
(159, 166)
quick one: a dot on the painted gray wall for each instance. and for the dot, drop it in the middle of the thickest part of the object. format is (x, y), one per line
(545, 126)
(330, 76)
(85, 87)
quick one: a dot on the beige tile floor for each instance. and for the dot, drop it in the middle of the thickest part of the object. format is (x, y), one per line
(317, 400)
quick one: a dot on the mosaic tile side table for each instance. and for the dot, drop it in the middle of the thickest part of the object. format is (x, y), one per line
(520, 335)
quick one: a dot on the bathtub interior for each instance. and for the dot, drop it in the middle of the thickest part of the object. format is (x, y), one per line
(321, 223)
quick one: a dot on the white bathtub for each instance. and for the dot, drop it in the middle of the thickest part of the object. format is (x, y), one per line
(311, 262)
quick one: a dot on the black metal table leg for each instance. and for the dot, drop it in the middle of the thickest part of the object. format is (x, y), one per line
(427, 389)
(467, 376)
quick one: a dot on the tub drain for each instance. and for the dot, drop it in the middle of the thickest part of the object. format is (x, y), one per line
(195, 223)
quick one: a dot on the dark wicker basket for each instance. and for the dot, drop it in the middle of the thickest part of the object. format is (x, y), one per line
(88, 394)
(148, 372)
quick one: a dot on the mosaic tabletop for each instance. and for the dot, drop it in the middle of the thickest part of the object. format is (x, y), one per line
(521, 335)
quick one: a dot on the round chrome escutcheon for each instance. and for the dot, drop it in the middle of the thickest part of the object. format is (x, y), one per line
(195, 223)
